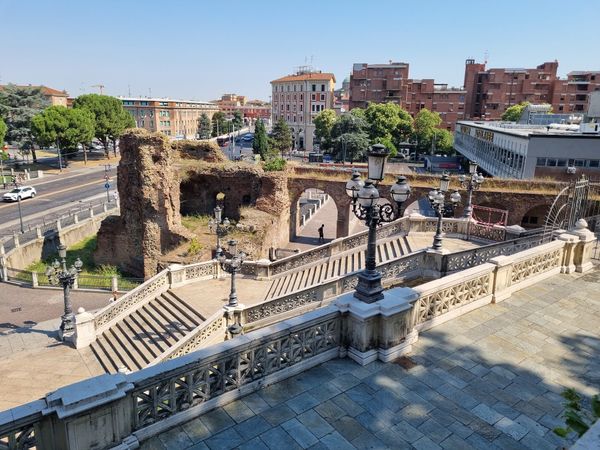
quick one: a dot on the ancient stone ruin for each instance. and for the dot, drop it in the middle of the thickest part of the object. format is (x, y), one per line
(150, 222)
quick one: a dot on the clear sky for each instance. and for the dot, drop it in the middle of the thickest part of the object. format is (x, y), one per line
(200, 49)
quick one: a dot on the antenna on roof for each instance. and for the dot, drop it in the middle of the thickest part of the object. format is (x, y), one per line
(129, 90)
(485, 57)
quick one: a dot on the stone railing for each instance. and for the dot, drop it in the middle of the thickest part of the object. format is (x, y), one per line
(126, 409)
(468, 258)
(491, 233)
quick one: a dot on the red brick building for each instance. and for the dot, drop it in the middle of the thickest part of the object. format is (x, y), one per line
(380, 83)
(250, 109)
(491, 91)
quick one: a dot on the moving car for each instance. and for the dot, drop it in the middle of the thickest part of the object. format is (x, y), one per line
(19, 193)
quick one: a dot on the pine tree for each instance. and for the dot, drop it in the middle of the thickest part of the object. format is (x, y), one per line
(282, 136)
(260, 145)
(204, 127)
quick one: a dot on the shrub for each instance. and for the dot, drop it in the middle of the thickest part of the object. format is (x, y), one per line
(194, 248)
(275, 165)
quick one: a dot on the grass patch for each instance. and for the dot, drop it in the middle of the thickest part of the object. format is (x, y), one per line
(195, 221)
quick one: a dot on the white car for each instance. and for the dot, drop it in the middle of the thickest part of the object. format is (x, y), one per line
(19, 194)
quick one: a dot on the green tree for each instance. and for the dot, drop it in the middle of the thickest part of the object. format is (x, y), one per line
(324, 122)
(18, 104)
(65, 127)
(444, 141)
(204, 127)
(260, 144)
(388, 124)
(3, 129)
(110, 119)
(358, 112)
(425, 126)
(281, 137)
(238, 120)
(513, 113)
(219, 126)
(349, 138)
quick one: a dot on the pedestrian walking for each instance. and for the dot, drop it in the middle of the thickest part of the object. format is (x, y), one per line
(321, 233)
(116, 196)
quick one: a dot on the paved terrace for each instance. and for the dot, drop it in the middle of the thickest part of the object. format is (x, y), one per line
(489, 379)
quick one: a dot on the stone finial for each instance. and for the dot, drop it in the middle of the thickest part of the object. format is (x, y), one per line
(81, 310)
(581, 224)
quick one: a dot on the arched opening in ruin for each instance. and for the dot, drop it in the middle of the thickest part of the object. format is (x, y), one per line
(420, 206)
(535, 217)
(312, 209)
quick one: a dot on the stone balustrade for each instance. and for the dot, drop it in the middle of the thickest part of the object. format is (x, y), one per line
(124, 409)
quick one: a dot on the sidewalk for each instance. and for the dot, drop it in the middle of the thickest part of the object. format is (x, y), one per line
(308, 235)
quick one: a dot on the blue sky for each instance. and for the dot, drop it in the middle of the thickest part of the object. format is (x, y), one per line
(201, 49)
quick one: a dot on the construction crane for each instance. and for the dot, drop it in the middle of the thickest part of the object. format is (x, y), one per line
(99, 86)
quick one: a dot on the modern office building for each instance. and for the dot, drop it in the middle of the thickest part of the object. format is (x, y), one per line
(491, 91)
(509, 150)
(380, 83)
(175, 118)
(298, 98)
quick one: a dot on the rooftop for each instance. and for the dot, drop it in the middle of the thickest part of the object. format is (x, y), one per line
(45, 90)
(528, 130)
(164, 99)
(306, 77)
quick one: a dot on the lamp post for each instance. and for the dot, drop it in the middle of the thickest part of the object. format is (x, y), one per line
(17, 183)
(472, 183)
(219, 226)
(366, 206)
(58, 273)
(232, 266)
(437, 198)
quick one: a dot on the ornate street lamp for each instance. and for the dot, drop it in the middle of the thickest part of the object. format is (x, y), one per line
(219, 226)
(232, 266)
(472, 183)
(366, 206)
(437, 198)
(59, 274)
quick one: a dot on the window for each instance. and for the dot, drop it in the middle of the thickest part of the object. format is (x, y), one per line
(322, 97)
(594, 163)
(314, 87)
(322, 88)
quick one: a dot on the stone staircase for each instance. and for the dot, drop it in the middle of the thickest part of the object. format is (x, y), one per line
(145, 333)
(311, 275)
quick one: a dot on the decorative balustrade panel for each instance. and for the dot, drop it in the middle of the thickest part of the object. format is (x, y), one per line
(441, 302)
(200, 270)
(21, 438)
(430, 225)
(300, 260)
(199, 337)
(491, 233)
(249, 268)
(129, 300)
(282, 304)
(391, 229)
(204, 380)
(474, 257)
(534, 266)
(402, 266)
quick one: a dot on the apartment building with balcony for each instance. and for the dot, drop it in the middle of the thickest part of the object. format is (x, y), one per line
(175, 118)
(573, 94)
(298, 98)
(381, 83)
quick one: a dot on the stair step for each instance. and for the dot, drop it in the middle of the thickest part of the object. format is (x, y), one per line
(140, 352)
(155, 340)
(159, 331)
(184, 307)
(102, 357)
(114, 362)
(143, 340)
(174, 313)
(170, 324)
(119, 345)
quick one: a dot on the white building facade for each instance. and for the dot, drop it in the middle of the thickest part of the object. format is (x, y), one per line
(297, 99)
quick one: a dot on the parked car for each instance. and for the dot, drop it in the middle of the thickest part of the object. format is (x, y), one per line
(19, 193)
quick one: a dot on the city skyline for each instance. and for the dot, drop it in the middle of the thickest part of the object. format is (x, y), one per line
(211, 51)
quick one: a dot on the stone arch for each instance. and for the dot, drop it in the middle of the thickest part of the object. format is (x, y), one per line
(336, 191)
(535, 216)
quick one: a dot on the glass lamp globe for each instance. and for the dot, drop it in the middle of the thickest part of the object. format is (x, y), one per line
(368, 195)
(354, 185)
(400, 190)
(377, 155)
(455, 197)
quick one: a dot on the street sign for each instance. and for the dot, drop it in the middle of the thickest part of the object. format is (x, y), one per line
(107, 185)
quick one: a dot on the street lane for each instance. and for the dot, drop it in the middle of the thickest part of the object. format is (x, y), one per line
(56, 195)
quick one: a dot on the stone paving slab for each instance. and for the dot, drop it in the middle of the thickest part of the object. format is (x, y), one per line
(473, 386)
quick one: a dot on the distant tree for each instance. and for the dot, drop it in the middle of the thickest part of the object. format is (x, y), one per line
(358, 112)
(281, 137)
(349, 138)
(425, 126)
(218, 124)
(444, 141)
(204, 127)
(348, 123)
(65, 127)
(513, 113)
(110, 118)
(238, 120)
(18, 104)
(324, 122)
(388, 124)
(260, 144)
(3, 129)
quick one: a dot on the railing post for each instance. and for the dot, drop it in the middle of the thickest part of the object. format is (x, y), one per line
(3, 269)
(104, 207)
(75, 218)
(58, 226)
(91, 212)
(114, 284)
(583, 250)
(38, 231)
(16, 240)
(2, 250)
(502, 276)
(34, 279)
(76, 283)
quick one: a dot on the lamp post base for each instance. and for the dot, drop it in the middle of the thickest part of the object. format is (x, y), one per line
(369, 288)
(66, 332)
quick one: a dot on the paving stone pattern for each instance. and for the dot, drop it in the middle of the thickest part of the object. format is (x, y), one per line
(490, 379)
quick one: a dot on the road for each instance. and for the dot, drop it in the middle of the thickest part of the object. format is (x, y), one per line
(56, 195)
